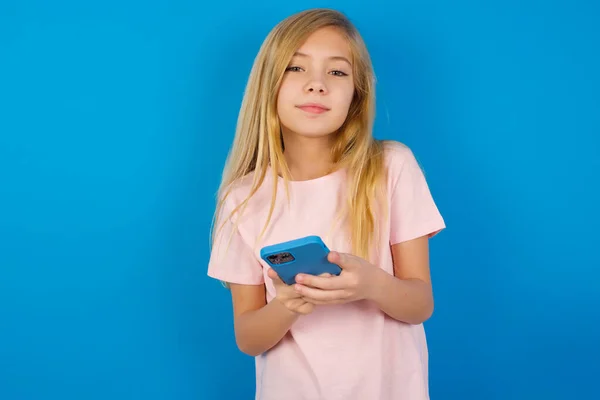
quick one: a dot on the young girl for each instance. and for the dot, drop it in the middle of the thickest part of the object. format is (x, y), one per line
(304, 162)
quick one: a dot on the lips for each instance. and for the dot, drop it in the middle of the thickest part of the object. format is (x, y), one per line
(313, 108)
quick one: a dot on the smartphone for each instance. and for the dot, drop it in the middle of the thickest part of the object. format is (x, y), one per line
(307, 255)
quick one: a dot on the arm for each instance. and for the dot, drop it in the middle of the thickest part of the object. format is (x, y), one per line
(414, 218)
(258, 326)
(406, 296)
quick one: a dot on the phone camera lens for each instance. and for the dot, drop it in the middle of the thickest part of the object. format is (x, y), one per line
(280, 258)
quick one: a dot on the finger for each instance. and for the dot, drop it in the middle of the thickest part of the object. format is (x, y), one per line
(274, 276)
(343, 260)
(294, 304)
(305, 308)
(319, 294)
(323, 302)
(299, 306)
(321, 282)
(326, 275)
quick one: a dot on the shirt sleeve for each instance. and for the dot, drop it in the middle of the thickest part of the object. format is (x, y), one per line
(413, 210)
(232, 259)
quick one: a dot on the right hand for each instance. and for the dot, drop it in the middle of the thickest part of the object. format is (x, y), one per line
(287, 295)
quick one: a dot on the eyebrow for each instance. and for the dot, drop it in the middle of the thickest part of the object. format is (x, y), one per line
(340, 58)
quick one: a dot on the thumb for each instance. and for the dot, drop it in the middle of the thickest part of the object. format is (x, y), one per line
(343, 260)
(274, 276)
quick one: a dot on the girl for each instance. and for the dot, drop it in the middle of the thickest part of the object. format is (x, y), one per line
(304, 162)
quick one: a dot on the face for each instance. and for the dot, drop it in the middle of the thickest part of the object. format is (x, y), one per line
(318, 86)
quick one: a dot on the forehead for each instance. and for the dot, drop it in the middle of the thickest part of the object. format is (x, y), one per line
(328, 41)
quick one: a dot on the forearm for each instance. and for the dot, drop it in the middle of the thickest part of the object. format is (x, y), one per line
(406, 300)
(259, 330)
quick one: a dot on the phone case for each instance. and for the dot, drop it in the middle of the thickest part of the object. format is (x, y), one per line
(307, 255)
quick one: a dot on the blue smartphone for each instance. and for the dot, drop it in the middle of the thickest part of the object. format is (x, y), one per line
(307, 255)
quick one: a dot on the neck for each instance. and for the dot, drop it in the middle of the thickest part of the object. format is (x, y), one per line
(308, 158)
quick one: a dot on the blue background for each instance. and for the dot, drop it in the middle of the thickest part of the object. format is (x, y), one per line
(115, 121)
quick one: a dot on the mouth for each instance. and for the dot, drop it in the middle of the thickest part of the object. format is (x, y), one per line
(313, 108)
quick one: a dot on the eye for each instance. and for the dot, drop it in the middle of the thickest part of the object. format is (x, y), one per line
(293, 69)
(337, 72)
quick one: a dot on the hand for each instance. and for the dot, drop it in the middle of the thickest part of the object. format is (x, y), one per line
(356, 282)
(287, 296)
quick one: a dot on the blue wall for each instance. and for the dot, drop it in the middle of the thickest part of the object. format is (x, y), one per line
(115, 120)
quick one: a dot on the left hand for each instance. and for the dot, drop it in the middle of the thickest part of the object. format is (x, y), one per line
(356, 281)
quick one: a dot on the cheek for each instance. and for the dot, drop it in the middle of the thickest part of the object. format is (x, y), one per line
(343, 100)
(345, 97)
(285, 96)
(349, 94)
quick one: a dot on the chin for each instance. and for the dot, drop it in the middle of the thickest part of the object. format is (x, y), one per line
(313, 132)
(315, 135)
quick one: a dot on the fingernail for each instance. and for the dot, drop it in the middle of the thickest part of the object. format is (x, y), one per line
(299, 278)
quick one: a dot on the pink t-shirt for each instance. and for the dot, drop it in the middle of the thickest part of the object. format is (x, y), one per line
(338, 352)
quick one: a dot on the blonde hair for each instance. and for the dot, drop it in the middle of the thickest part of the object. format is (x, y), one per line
(258, 144)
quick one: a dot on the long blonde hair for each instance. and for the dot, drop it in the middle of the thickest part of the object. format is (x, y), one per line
(258, 145)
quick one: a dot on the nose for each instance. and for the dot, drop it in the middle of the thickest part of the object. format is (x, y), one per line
(316, 88)
(317, 85)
